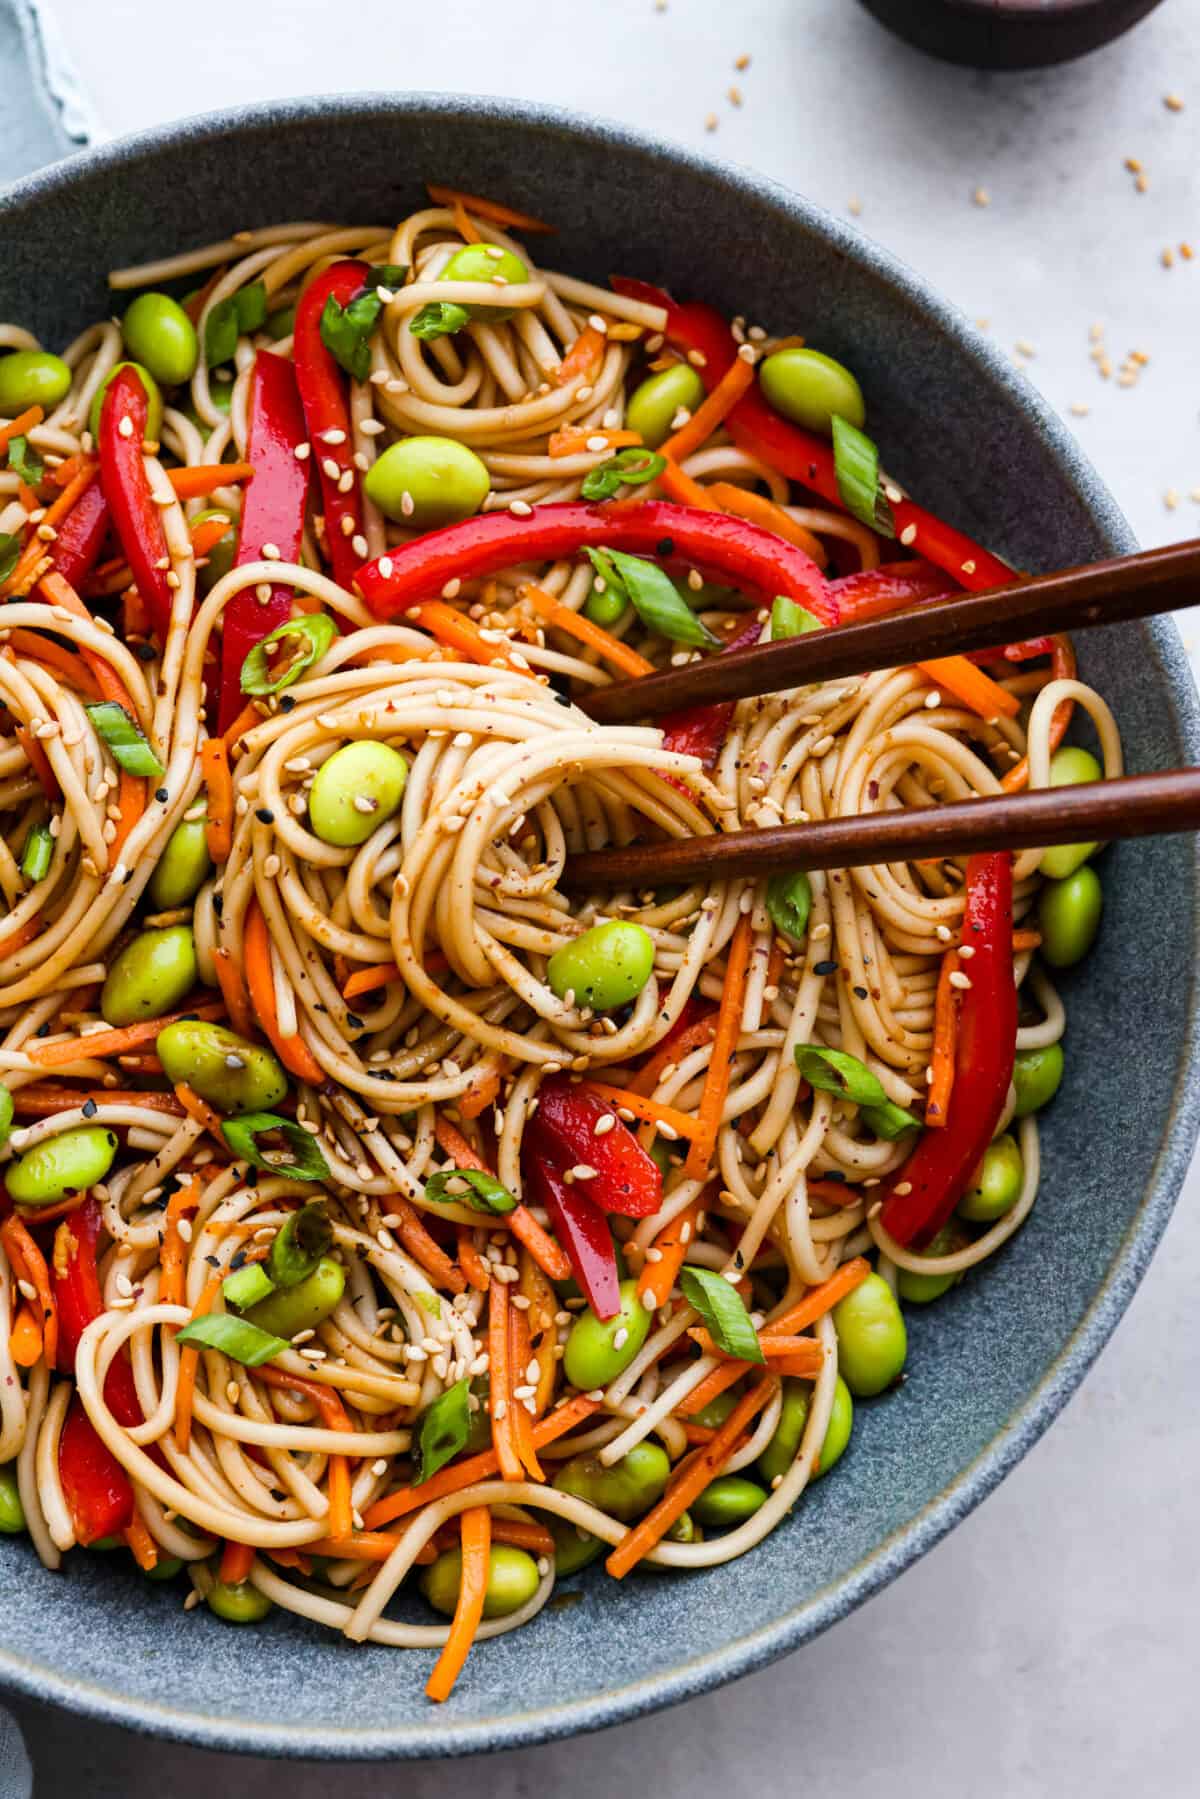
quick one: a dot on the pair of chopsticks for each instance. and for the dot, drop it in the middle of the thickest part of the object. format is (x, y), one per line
(1115, 591)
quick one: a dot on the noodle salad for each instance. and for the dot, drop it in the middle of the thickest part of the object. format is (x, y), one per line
(379, 1211)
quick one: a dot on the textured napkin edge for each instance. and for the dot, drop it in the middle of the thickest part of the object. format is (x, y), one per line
(60, 88)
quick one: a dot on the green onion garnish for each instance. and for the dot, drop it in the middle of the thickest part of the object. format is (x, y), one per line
(656, 599)
(722, 1310)
(238, 313)
(300, 1243)
(130, 750)
(247, 1286)
(37, 854)
(790, 620)
(442, 1433)
(480, 1191)
(632, 467)
(237, 1338)
(440, 318)
(307, 638)
(856, 465)
(301, 1161)
(789, 902)
(345, 331)
(10, 551)
(889, 1120)
(387, 274)
(834, 1071)
(24, 461)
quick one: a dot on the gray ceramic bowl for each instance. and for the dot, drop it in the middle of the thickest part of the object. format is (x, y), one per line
(990, 1365)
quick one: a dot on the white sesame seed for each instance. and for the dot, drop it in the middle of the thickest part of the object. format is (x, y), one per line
(334, 436)
(908, 535)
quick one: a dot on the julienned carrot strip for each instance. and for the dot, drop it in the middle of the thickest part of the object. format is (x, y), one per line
(141, 1544)
(583, 358)
(12, 941)
(43, 1098)
(25, 1338)
(24, 421)
(820, 1300)
(563, 619)
(970, 685)
(641, 1539)
(198, 482)
(658, 1278)
(522, 1418)
(725, 1375)
(669, 1055)
(649, 1110)
(500, 1400)
(550, 1257)
(207, 533)
(237, 1559)
(333, 1416)
(247, 718)
(463, 225)
(218, 822)
(461, 1153)
(472, 1591)
(292, 1051)
(460, 633)
(712, 410)
(105, 1044)
(39, 762)
(677, 484)
(1027, 940)
(744, 503)
(366, 980)
(571, 440)
(945, 1037)
(1062, 667)
(172, 1257)
(421, 1246)
(233, 992)
(729, 1025)
(494, 210)
(475, 1269)
(481, 1094)
(34, 552)
(29, 1264)
(56, 656)
(201, 1111)
(476, 1467)
(805, 1352)
(189, 1361)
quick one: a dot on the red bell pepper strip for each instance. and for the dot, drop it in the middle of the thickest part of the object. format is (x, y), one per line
(724, 549)
(326, 410)
(95, 1486)
(578, 1223)
(941, 1167)
(799, 454)
(76, 549)
(627, 1180)
(702, 730)
(892, 587)
(127, 490)
(272, 513)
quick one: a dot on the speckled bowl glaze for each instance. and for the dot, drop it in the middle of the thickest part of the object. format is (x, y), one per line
(992, 1363)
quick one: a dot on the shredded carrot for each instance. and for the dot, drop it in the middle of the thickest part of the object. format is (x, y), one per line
(23, 934)
(333, 1416)
(463, 225)
(543, 1304)
(821, 1299)
(481, 1094)
(1062, 666)
(472, 1591)
(172, 1257)
(201, 479)
(729, 1025)
(474, 1268)
(24, 422)
(29, 1264)
(421, 1246)
(522, 1533)
(805, 1352)
(487, 209)
(711, 412)
(43, 1098)
(56, 656)
(65, 473)
(25, 1338)
(201, 1111)
(596, 638)
(670, 1054)
(522, 1420)
(141, 1544)
(461, 1153)
(691, 1482)
(658, 1278)
(189, 1361)
(835, 1193)
(361, 1546)
(760, 511)
(1023, 940)
(237, 1559)
(247, 718)
(366, 980)
(584, 358)
(218, 823)
(460, 633)
(292, 1051)
(39, 762)
(945, 1038)
(500, 1383)
(207, 533)
(104, 1044)
(969, 684)
(804, 1366)
(725, 1375)
(649, 1110)
(572, 440)
(233, 992)
(550, 1257)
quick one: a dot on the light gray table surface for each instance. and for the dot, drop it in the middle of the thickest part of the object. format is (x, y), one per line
(1049, 1646)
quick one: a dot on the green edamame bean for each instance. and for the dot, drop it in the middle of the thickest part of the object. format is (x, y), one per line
(727, 1501)
(304, 1306)
(12, 1512)
(240, 1604)
(105, 1545)
(1070, 767)
(837, 1431)
(573, 1548)
(61, 1166)
(605, 607)
(183, 867)
(714, 1414)
(781, 1451)
(165, 1568)
(652, 406)
(355, 791)
(605, 968)
(150, 976)
(428, 481)
(810, 387)
(154, 407)
(486, 262)
(1037, 1074)
(598, 1349)
(32, 378)
(923, 1289)
(159, 334)
(872, 1339)
(511, 1583)
(231, 1074)
(997, 1186)
(684, 1530)
(281, 322)
(6, 1114)
(1069, 917)
(626, 1491)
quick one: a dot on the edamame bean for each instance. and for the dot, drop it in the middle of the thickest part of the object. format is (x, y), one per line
(1037, 1074)
(997, 1186)
(484, 262)
(304, 1306)
(154, 408)
(1069, 917)
(1070, 767)
(12, 1512)
(713, 1415)
(150, 976)
(231, 1074)
(32, 378)
(6, 1114)
(810, 387)
(781, 1451)
(183, 867)
(837, 1431)
(61, 1166)
(605, 607)
(159, 334)
(605, 968)
(240, 1604)
(355, 791)
(573, 1548)
(598, 1349)
(872, 1339)
(165, 1568)
(727, 1501)
(511, 1583)
(684, 1530)
(428, 481)
(636, 1483)
(653, 406)
(922, 1289)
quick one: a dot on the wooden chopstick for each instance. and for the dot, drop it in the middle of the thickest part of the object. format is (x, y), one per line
(1099, 593)
(1133, 806)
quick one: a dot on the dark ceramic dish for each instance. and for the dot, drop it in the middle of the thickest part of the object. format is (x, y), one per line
(1009, 34)
(992, 1363)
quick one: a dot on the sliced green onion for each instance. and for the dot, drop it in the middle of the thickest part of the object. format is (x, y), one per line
(387, 274)
(247, 1286)
(834, 1071)
(244, 311)
(658, 602)
(442, 1433)
(299, 1244)
(24, 461)
(439, 318)
(789, 902)
(722, 1310)
(482, 1192)
(631, 467)
(237, 1338)
(130, 750)
(856, 465)
(345, 331)
(302, 1161)
(37, 854)
(308, 638)
(250, 304)
(790, 620)
(889, 1120)
(10, 551)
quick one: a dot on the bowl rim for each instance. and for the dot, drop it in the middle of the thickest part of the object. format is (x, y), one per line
(439, 1735)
